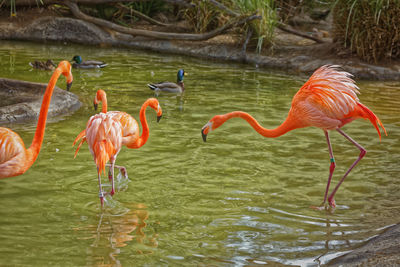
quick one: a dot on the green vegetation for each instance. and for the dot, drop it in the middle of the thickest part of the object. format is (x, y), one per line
(204, 17)
(264, 28)
(369, 28)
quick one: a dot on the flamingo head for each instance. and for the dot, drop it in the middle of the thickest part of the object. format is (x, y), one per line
(65, 68)
(211, 125)
(100, 94)
(77, 59)
(154, 104)
(180, 75)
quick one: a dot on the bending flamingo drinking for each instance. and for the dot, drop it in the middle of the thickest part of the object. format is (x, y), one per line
(328, 100)
(15, 159)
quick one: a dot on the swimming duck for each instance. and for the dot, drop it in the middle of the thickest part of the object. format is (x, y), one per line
(88, 64)
(171, 87)
(43, 65)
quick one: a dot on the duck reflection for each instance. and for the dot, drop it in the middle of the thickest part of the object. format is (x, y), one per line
(114, 231)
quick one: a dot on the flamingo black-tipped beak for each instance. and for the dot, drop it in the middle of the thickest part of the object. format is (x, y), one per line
(159, 118)
(95, 106)
(69, 86)
(203, 135)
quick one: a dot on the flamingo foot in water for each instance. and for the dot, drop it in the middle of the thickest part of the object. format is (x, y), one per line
(332, 202)
(330, 206)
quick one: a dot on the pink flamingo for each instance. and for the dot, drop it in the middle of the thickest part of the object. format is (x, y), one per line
(129, 127)
(15, 159)
(328, 100)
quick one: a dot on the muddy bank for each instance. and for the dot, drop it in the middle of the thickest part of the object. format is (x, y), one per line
(382, 250)
(292, 53)
(20, 101)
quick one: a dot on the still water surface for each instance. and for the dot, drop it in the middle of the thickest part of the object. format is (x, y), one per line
(238, 199)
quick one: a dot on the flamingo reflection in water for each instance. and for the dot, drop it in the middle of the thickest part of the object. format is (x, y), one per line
(114, 231)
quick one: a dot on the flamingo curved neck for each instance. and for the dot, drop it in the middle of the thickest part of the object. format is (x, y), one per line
(34, 149)
(285, 127)
(103, 100)
(145, 127)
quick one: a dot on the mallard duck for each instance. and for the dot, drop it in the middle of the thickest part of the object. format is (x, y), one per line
(88, 64)
(42, 65)
(171, 87)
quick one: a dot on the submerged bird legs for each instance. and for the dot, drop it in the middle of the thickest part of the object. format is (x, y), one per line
(121, 169)
(331, 200)
(111, 166)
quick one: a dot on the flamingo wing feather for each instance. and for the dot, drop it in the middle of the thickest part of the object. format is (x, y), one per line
(104, 137)
(334, 90)
(10, 145)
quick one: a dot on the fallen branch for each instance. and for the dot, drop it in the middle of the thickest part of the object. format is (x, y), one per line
(90, 2)
(83, 2)
(224, 8)
(154, 34)
(285, 28)
(143, 16)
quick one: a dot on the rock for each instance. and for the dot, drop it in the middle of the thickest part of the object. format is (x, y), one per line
(382, 250)
(20, 101)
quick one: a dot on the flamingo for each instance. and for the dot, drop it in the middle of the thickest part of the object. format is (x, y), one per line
(328, 100)
(129, 127)
(104, 137)
(15, 159)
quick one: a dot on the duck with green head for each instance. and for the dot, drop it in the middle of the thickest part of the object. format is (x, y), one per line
(87, 64)
(171, 87)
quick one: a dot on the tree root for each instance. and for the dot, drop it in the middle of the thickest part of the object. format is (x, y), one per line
(154, 34)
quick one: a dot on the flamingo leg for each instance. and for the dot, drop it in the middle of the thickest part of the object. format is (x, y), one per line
(362, 154)
(122, 170)
(101, 195)
(332, 167)
(112, 160)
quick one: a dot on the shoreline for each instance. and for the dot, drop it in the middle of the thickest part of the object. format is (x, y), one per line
(292, 53)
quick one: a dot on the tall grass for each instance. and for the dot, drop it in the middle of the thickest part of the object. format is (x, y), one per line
(149, 7)
(371, 29)
(264, 28)
(204, 16)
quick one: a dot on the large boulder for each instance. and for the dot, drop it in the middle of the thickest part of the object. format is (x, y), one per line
(21, 101)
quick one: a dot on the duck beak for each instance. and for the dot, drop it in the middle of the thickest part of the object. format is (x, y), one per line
(69, 86)
(159, 118)
(185, 74)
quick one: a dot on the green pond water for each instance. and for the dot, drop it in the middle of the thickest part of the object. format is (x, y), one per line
(239, 199)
